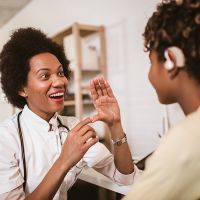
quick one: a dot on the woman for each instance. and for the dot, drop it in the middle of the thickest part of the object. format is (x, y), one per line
(172, 38)
(42, 153)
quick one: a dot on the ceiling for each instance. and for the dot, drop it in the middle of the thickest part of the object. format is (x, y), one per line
(9, 8)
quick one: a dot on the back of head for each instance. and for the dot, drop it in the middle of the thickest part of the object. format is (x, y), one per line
(24, 43)
(176, 23)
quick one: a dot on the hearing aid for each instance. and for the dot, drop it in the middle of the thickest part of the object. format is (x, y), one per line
(179, 57)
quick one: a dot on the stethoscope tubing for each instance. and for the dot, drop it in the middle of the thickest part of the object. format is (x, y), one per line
(22, 143)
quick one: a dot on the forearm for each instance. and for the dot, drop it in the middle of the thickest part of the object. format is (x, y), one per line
(122, 154)
(50, 184)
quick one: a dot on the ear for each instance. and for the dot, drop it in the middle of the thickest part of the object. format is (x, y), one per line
(174, 57)
(177, 54)
(22, 93)
(175, 60)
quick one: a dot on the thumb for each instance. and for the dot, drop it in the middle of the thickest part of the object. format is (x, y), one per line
(95, 118)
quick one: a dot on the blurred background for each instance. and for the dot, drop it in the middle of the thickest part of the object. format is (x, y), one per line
(144, 119)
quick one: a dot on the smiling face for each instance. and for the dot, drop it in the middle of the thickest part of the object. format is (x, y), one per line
(46, 85)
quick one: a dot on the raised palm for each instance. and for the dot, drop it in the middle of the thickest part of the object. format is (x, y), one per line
(104, 101)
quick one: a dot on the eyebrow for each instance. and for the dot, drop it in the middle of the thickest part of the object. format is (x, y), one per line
(47, 69)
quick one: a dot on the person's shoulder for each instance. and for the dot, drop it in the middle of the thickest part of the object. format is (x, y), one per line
(192, 121)
(175, 161)
(9, 123)
(181, 142)
(9, 133)
(188, 128)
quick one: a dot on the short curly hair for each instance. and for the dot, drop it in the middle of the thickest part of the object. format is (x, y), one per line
(176, 23)
(15, 57)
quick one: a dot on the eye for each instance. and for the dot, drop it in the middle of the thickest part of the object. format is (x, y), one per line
(61, 73)
(45, 76)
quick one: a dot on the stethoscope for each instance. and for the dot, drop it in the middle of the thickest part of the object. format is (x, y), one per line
(60, 125)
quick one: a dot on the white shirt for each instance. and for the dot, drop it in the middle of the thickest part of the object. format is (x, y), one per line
(42, 148)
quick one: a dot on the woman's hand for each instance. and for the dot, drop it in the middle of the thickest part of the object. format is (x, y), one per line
(78, 141)
(105, 102)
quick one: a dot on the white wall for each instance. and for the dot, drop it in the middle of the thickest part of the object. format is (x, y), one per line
(127, 63)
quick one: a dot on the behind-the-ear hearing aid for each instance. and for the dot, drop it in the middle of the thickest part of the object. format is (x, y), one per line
(178, 55)
(169, 65)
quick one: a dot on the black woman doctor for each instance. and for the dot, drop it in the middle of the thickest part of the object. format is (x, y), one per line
(42, 153)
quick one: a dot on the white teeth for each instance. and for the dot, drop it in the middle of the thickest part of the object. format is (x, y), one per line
(57, 94)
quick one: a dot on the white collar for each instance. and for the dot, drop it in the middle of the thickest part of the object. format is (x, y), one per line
(36, 121)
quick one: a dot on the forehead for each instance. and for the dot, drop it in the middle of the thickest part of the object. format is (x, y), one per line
(44, 60)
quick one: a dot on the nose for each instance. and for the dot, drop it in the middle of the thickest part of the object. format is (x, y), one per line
(58, 81)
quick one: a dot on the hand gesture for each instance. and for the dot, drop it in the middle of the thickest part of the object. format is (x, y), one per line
(104, 101)
(78, 141)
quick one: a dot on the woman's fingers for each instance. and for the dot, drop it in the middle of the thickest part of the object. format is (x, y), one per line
(82, 124)
(103, 86)
(93, 90)
(85, 129)
(89, 143)
(108, 89)
(79, 140)
(98, 87)
(88, 136)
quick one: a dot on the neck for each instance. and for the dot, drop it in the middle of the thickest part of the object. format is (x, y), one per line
(189, 107)
(44, 115)
(189, 96)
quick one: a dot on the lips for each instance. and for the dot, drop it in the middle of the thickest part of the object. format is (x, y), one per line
(57, 95)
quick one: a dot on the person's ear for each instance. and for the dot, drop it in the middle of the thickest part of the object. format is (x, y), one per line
(22, 93)
(175, 59)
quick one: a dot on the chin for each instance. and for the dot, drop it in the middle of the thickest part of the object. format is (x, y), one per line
(57, 108)
(166, 101)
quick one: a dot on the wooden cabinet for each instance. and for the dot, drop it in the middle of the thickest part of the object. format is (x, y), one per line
(79, 98)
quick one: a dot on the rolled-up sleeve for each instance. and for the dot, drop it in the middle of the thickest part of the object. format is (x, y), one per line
(17, 193)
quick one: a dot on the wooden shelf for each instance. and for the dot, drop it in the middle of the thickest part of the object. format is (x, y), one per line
(72, 103)
(81, 97)
(78, 31)
(85, 89)
(84, 30)
(69, 103)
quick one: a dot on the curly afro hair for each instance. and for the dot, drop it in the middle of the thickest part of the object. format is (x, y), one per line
(15, 56)
(176, 23)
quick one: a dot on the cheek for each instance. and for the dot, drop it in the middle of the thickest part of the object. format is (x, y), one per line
(37, 88)
(66, 82)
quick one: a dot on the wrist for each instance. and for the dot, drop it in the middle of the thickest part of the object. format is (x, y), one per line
(63, 165)
(116, 131)
(119, 141)
(116, 126)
